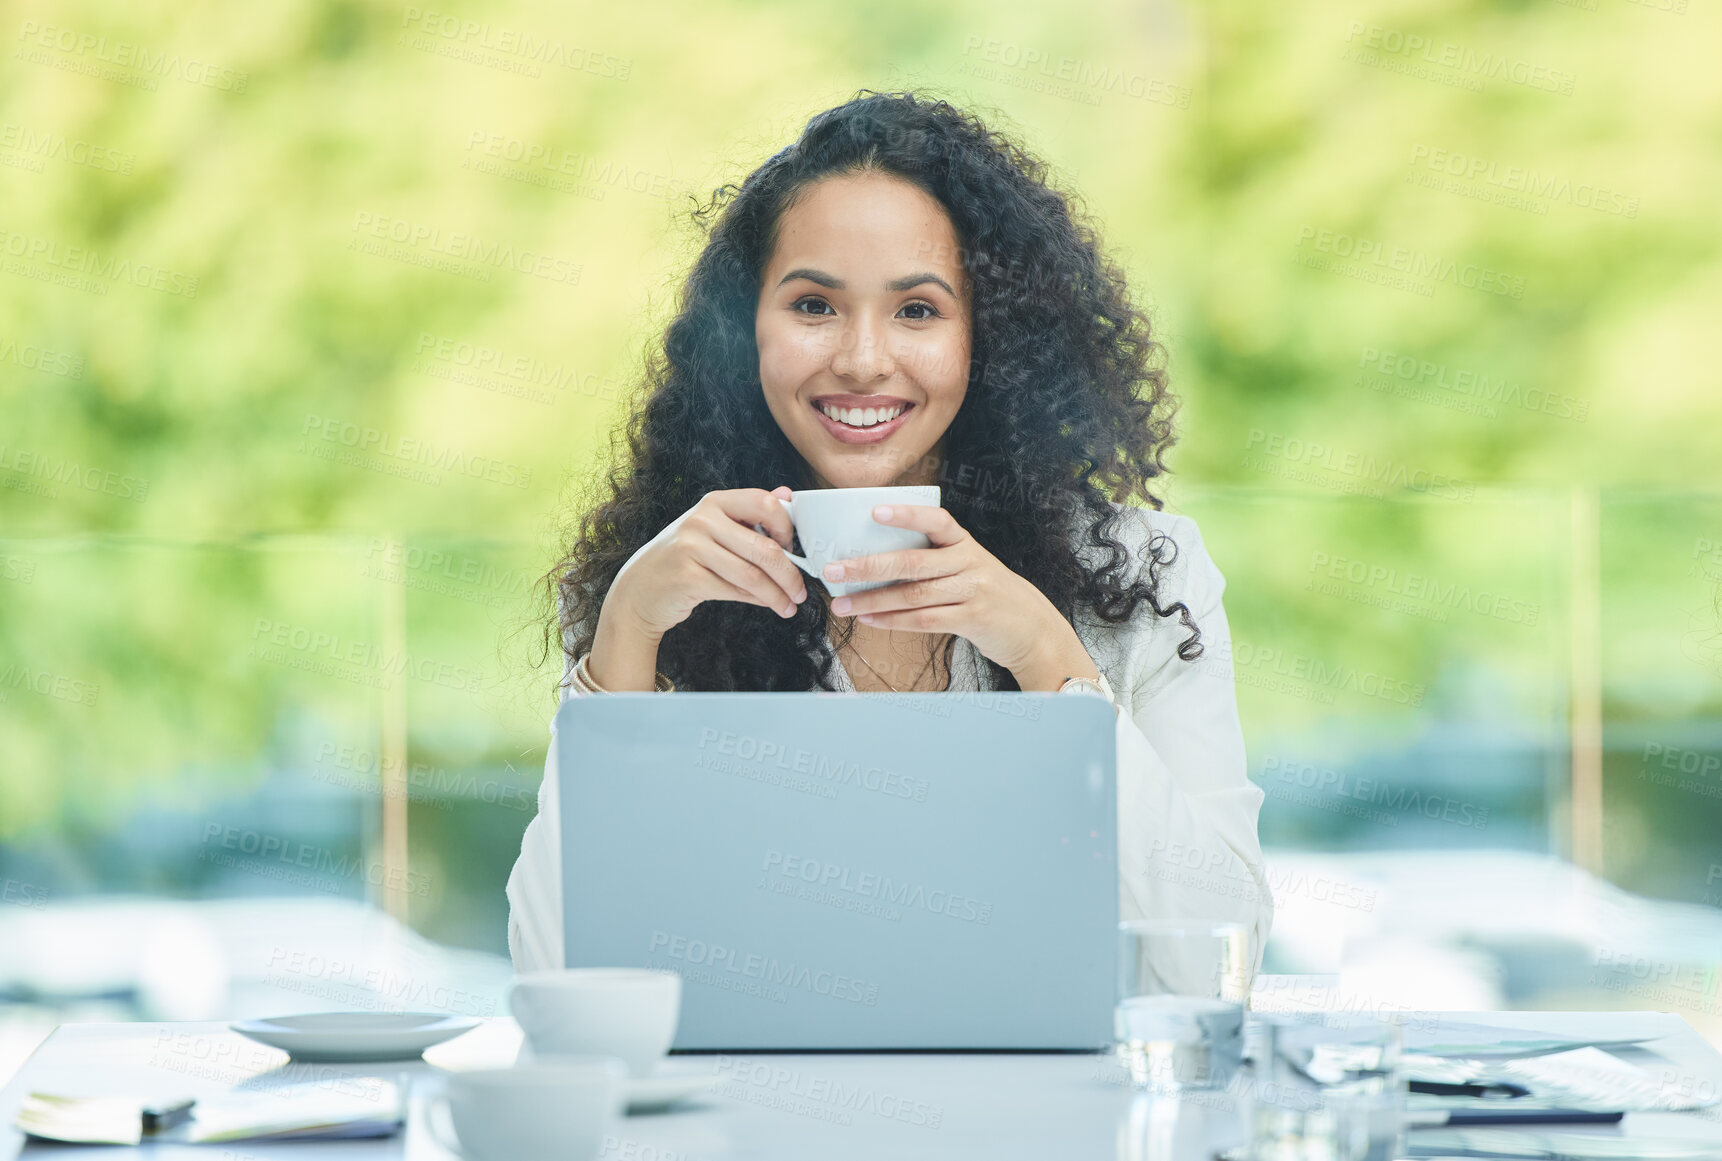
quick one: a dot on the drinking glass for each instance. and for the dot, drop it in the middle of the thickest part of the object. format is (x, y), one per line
(1182, 988)
(1328, 1088)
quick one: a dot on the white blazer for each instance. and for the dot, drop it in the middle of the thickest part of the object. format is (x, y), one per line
(1187, 841)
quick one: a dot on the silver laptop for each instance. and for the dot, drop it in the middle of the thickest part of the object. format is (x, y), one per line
(849, 871)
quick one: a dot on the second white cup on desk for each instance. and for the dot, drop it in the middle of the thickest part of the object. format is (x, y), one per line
(630, 1013)
(559, 1111)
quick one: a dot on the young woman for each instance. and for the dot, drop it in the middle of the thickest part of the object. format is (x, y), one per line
(901, 298)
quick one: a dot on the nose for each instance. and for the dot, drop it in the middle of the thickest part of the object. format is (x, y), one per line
(861, 355)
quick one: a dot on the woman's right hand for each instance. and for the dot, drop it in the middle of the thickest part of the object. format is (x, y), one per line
(711, 553)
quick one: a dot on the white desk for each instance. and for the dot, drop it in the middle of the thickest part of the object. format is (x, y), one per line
(833, 1107)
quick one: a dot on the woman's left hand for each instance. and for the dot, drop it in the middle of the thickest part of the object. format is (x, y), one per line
(956, 586)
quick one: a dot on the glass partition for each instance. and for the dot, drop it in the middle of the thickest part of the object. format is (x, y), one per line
(276, 775)
(1402, 667)
(294, 771)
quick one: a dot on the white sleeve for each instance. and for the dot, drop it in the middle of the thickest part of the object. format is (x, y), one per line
(535, 883)
(1188, 845)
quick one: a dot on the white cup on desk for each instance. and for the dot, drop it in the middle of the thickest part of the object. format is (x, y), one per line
(837, 524)
(554, 1111)
(630, 1013)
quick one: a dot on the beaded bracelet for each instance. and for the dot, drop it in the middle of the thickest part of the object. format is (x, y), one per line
(583, 679)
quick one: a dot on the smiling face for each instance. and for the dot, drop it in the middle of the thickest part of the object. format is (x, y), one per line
(863, 331)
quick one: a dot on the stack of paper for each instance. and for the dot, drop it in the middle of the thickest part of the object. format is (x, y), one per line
(297, 1112)
(1591, 1078)
(1556, 1145)
(97, 1120)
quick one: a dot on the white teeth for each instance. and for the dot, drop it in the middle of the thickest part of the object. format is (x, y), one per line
(862, 417)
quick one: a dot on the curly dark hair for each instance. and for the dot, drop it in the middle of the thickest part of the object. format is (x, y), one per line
(1066, 411)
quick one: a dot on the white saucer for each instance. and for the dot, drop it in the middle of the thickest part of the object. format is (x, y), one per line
(355, 1035)
(672, 1081)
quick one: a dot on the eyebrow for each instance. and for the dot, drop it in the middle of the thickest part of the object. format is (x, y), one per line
(907, 282)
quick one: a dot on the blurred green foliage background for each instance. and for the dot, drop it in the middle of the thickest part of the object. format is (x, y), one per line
(314, 318)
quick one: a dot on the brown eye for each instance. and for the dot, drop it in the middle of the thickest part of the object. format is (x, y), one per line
(926, 306)
(809, 301)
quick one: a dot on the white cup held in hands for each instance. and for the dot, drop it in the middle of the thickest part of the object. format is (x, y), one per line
(838, 524)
